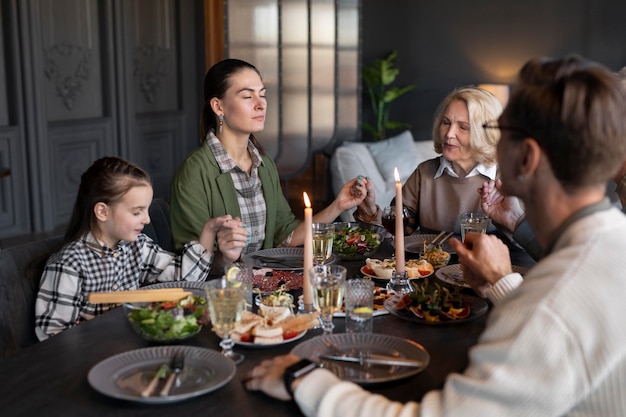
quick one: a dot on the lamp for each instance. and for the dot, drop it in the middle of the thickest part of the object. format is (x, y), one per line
(501, 91)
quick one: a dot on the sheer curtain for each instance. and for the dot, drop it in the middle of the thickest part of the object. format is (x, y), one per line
(308, 55)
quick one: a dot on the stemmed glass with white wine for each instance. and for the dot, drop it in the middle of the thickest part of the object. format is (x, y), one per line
(323, 236)
(328, 283)
(226, 303)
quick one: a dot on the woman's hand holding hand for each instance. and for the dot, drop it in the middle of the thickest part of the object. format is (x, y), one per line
(501, 209)
(354, 192)
(232, 237)
(268, 376)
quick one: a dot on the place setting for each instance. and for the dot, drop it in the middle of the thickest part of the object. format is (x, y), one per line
(359, 355)
(161, 374)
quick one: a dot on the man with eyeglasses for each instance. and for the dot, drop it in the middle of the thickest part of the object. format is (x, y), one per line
(555, 341)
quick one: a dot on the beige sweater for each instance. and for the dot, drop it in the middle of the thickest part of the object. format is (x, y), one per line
(438, 203)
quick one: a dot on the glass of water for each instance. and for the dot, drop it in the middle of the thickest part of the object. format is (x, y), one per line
(359, 302)
(473, 223)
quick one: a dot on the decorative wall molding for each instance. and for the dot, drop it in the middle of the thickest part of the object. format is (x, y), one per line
(151, 68)
(67, 66)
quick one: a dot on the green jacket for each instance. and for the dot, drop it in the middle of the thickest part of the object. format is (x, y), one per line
(199, 192)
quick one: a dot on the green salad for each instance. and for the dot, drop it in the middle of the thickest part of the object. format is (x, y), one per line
(169, 320)
(355, 242)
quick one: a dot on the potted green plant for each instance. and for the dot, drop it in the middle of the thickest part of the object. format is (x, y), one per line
(378, 77)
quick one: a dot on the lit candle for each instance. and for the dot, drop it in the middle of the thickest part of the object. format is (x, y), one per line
(399, 237)
(307, 292)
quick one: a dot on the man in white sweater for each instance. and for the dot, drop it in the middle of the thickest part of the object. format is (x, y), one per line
(555, 342)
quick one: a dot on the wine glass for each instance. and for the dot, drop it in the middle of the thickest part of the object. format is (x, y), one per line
(323, 236)
(389, 219)
(226, 303)
(328, 282)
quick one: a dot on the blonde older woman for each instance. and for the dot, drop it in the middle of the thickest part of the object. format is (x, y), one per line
(442, 188)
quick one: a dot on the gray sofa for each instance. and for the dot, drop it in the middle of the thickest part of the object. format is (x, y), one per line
(20, 271)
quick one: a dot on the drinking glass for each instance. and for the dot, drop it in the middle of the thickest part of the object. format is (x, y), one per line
(359, 301)
(327, 282)
(323, 235)
(241, 274)
(226, 304)
(473, 223)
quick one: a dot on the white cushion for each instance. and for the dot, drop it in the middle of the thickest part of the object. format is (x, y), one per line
(395, 152)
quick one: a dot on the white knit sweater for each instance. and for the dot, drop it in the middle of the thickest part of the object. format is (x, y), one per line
(554, 346)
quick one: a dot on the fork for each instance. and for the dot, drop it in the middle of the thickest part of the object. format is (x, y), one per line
(434, 241)
(178, 363)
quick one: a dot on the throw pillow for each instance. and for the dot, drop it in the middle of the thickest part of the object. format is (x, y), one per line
(398, 151)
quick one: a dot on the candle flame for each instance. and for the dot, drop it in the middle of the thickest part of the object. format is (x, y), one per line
(307, 202)
(396, 175)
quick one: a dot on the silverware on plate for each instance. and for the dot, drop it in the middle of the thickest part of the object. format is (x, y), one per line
(271, 260)
(373, 359)
(435, 241)
(162, 372)
(178, 363)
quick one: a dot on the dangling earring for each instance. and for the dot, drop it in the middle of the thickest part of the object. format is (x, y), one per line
(221, 123)
(522, 178)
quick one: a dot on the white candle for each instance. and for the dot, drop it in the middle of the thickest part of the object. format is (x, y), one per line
(307, 292)
(399, 237)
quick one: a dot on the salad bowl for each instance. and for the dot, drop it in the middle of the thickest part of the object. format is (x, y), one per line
(169, 321)
(357, 241)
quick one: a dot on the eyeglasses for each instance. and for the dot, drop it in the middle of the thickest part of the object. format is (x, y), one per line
(495, 125)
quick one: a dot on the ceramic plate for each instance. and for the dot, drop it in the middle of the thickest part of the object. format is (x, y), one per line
(262, 346)
(373, 275)
(452, 274)
(478, 307)
(362, 343)
(415, 243)
(287, 259)
(123, 376)
(192, 285)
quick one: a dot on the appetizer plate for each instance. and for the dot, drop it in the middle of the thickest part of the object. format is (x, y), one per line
(371, 274)
(452, 274)
(286, 259)
(478, 307)
(263, 346)
(351, 344)
(123, 376)
(415, 243)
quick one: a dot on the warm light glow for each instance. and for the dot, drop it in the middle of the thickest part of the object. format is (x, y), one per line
(396, 175)
(307, 202)
(501, 91)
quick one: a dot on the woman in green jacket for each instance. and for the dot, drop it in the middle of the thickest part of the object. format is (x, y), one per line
(231, 175)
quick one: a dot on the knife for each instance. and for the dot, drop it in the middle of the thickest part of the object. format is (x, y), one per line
(161, 373)
(178, 363)
(269, 260)
(374, 360)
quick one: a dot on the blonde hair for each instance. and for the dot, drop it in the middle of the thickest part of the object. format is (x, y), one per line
(482, 107)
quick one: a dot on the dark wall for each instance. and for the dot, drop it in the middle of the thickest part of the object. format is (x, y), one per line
(447, 43)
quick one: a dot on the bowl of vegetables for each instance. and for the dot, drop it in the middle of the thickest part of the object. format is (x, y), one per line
(357, 241)
(169, 321)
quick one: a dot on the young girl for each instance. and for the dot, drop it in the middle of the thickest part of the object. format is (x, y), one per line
(105, 249)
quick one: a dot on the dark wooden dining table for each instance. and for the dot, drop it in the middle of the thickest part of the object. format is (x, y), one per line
(50, 378)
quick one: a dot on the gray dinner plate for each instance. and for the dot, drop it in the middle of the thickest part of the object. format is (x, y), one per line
(124, 375)
(415, 243)
(352, 344)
